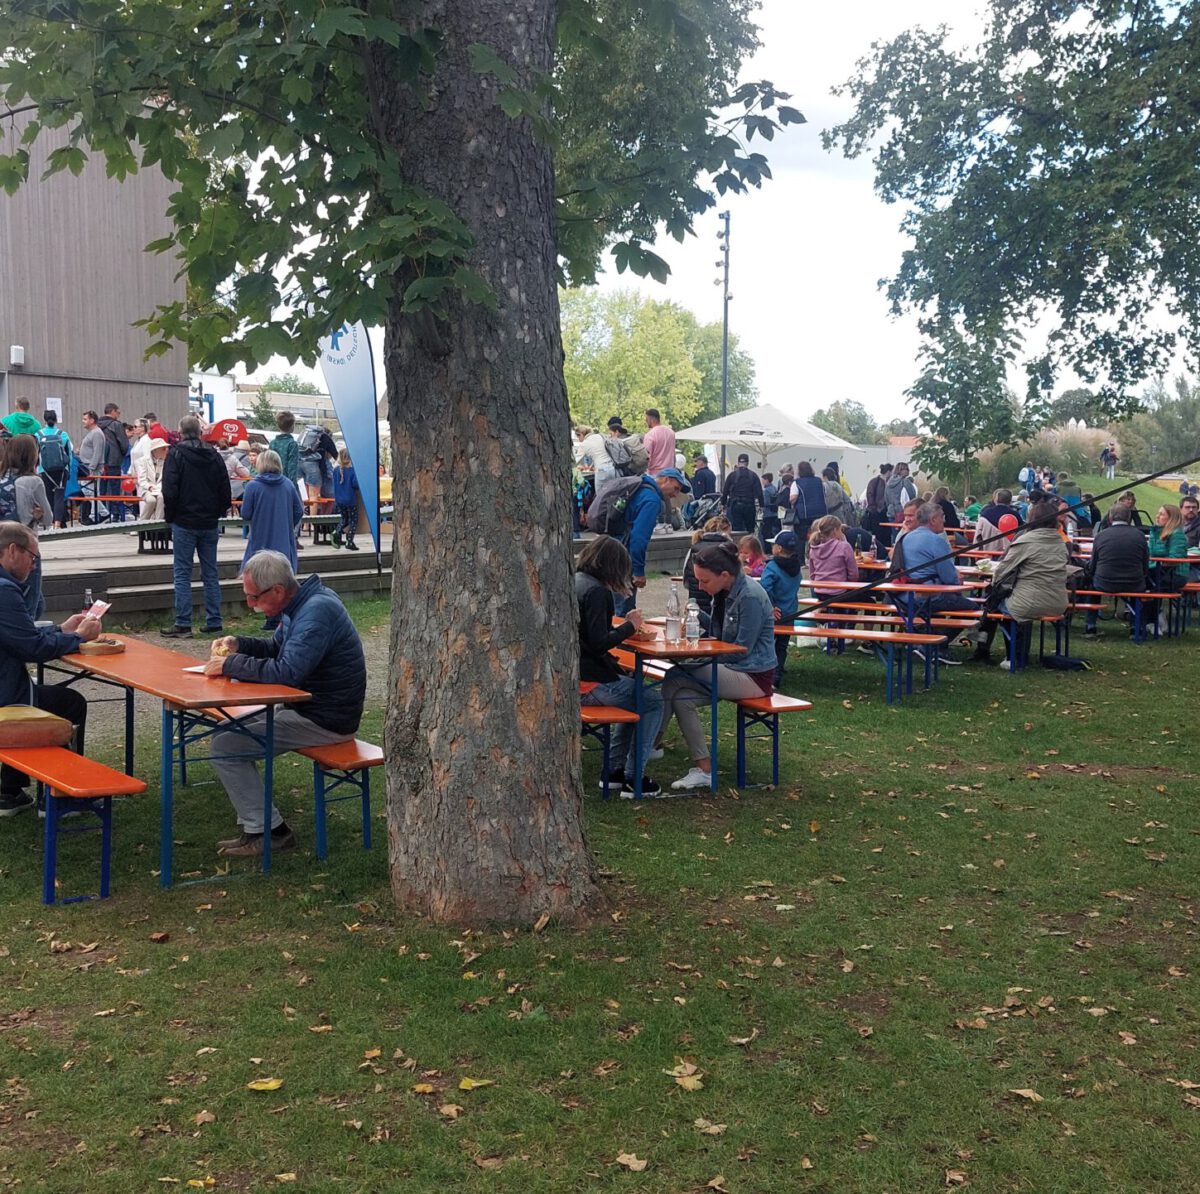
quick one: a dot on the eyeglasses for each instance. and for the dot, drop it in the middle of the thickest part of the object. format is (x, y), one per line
(33, 555)
(256, 596)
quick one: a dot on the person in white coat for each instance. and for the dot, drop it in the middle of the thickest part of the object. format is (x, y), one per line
(149, 470)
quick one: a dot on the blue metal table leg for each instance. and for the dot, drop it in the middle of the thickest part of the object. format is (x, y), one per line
(712, 750)
(166, 813)
(268, 788)
(319, 807)
(105, 813)
(129, 731)
(638, 681)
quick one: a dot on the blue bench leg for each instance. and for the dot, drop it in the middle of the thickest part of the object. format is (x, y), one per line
(104, 812)
(606, 761)
(50, 848)
(775, 750)
(741, 748)
(364, 777)
(319, 801)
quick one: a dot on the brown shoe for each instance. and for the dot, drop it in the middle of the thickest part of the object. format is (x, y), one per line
(245, 846)
(250, 845)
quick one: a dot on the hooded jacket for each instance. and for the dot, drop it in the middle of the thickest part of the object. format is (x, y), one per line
(831, 561)
(272, 509)
(195, 485)
(1036, 568)
(781, 583)
(896, 492)
(21, 422)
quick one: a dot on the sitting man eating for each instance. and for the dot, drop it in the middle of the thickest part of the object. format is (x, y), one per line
(315, 647)
(23, 643)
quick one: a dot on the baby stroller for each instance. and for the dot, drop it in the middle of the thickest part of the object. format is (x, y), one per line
(702, 510)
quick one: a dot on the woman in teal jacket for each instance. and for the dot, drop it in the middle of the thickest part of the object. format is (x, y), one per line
(1167, 539)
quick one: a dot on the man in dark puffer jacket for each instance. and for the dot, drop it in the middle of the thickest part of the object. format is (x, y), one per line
(317, 648)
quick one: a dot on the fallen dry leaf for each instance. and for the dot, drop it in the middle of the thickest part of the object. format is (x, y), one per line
(320, 1028)
(450, 1110)
(283, 1178)
(1127, 1038)
(631, 1161)
(475, 1083)
(204, 1117)
(690, 1082)
(805, 1163)
(541, 922)
(716, 1183)
(703, 1126)
(265, 1084)
(1026, 1093)
(160, 938)
(423, 1088)
(955, 1177)
(743, 1041)
(489, 1162)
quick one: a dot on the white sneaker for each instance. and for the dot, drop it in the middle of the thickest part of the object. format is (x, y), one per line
(1006, 665)
(656, 753)
(694, 779)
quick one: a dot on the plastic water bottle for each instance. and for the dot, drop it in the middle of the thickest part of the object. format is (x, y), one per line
(87, 599)
(674, 616)
(691, 628)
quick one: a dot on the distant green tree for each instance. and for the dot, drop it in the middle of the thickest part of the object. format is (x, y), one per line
(850, 420)
(963, 404)
(288, 383)
(262, 413)
(1079, 404)
(900, 427)
(624, 353)
(1165, 432)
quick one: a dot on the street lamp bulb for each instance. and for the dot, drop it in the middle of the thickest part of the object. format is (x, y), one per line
(721, 234)
(717, 281)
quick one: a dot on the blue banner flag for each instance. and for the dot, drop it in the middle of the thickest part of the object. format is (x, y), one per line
(350, 377)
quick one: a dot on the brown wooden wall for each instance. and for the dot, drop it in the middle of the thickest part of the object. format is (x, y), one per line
(73, 278)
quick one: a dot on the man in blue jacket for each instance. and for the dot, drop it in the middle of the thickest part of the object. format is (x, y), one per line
(641, 516)
(23, 643)
(317, 648)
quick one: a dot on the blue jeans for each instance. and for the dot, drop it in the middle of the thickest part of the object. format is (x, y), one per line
(188, 543)
(313, 476)
(620, 694)
(110, 486)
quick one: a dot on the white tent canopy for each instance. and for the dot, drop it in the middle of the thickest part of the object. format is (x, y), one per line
(763, 430)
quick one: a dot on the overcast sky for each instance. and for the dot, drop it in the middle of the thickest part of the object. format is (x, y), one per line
(809, 248)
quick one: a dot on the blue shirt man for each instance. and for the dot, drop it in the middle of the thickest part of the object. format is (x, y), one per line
(641, 517)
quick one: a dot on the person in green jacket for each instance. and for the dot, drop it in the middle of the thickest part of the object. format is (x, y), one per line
(21, 422)
(1167, 540)
(289, 456)
(974, 505)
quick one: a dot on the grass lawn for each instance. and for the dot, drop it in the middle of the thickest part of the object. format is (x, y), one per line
(1149, 497)
(958, 945)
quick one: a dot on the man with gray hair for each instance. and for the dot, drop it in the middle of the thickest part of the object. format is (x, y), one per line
(927, 562)
(315, 647)
(195, 490)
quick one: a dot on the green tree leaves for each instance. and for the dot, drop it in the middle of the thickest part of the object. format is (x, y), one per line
(625, 353)
(1049, 175)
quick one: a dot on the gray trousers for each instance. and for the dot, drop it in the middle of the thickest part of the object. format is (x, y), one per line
(683, 690)
(239, 772)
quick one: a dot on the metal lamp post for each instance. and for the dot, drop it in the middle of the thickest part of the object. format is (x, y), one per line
(723, 282)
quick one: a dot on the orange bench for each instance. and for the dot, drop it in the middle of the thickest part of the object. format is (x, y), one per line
(763, 711)
(1135, 600)
(67, 780)
(887, 640)
(342, 764)
(597, 721)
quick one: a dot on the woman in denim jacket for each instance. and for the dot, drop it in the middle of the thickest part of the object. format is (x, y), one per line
(741, 614)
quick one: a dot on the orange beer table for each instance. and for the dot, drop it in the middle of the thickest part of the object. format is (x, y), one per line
(705, 650)
(192, 708)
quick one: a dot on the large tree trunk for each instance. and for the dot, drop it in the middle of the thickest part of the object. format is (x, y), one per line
(484, 798)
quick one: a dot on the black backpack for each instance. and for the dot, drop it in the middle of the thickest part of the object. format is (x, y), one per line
(52, 452)
(606, 514)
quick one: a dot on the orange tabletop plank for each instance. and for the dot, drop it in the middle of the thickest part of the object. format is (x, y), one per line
(659, 648)
(158, 671)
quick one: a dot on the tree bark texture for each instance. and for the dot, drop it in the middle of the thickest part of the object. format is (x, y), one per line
(482, 728)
